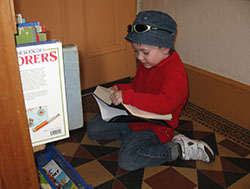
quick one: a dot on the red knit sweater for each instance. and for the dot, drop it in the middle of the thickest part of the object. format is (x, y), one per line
(162, 89)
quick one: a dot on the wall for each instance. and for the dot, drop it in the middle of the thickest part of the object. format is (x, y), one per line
(212, 35)
(213, 40)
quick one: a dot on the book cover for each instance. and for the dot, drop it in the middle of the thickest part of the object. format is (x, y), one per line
(58, 176)
(19, 18)
(27, 24)
(41, 36)
(43, 182)
(125, 112)
(43, 83)
(26, 35)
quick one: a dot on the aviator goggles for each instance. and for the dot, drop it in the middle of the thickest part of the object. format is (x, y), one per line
(141, 28)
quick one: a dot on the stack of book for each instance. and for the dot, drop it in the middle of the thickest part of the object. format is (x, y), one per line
(57, 176)
(29, 32)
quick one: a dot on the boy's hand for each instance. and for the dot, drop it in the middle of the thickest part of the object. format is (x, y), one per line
(116, 97)
(114, 88)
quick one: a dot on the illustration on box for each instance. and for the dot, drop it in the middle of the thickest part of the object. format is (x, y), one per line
(58, 176)
(38, 118)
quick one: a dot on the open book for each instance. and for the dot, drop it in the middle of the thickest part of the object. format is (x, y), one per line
(124, 112)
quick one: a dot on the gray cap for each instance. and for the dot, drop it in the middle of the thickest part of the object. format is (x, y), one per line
(154, 37)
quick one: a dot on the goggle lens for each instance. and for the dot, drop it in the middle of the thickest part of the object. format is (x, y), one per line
(141, 28)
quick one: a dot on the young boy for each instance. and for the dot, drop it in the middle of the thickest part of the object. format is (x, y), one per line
(160, 86)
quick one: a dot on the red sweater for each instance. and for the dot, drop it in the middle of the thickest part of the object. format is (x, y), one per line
(162, 89)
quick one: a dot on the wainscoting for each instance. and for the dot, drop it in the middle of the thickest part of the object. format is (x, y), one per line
(224, 97)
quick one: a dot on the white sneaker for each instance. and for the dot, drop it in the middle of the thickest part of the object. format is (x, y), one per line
(194, 149)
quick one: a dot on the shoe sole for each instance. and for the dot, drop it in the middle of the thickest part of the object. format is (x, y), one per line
(209, 151)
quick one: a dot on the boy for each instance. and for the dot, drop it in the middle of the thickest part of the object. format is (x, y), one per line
(160, 86)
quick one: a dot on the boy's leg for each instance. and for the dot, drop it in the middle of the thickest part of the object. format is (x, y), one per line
(97, 129)
(143, 149)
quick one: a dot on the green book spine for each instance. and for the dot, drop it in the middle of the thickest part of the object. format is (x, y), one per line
(26, 35)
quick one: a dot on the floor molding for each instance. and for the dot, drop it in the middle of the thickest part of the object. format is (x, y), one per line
(218, 124)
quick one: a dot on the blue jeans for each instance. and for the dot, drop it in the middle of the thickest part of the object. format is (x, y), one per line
(138, 148)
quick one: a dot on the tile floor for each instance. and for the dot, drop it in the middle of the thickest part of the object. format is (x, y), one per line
(96, 161)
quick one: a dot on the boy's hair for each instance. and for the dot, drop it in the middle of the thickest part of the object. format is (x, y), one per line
(153, 28)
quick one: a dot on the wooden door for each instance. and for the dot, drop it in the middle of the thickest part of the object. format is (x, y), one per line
(17, 166)
(97, 27)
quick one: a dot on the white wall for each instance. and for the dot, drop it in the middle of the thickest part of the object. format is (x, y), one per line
(213, 35)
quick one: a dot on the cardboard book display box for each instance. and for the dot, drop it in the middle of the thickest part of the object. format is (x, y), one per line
(73, 86)
(43, 83)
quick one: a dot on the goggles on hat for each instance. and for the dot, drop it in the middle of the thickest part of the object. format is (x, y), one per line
(141, 28)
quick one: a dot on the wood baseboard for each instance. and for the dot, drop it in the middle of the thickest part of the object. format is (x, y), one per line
(224, 97)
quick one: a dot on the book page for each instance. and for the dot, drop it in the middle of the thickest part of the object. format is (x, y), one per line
(108, 112)
(104, 94)
(144, 114)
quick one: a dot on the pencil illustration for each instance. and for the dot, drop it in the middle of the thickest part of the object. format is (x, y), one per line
(46, 122)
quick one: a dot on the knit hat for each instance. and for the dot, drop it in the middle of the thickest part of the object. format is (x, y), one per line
(162, 36)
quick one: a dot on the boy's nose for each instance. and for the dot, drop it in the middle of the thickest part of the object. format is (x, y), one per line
(139, 57)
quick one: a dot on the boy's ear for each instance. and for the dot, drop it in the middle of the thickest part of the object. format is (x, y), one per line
(165, 50)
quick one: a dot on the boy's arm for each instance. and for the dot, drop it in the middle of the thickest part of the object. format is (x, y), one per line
(173, 93)
(124, 86)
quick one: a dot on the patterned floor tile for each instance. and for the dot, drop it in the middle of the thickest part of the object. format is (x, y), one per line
(226, 152)
(235, 147)
(99, 151)
(241, 184)
(94, 173)
(215, 166)
(67, 148)
(206, 182)
(150, 171)
(96, 161)
(132, 179)
(169, 178)
(191, 174)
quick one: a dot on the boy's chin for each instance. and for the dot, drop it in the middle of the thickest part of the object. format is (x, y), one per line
(147, 66)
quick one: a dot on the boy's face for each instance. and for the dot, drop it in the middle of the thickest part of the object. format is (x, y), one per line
(149, 55)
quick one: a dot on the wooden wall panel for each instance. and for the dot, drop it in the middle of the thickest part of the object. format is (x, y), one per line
(17, 165)
(97, 28)
(105, 57)
(224, 97)
(109, 67)
(104, 26)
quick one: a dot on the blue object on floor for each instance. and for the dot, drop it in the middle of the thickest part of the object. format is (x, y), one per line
(51, 153)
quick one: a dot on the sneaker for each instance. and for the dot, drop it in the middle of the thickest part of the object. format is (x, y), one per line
(194, 149)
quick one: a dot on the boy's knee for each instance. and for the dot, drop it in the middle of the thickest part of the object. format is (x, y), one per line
(126, 165)
(127, 161)
(91, 133)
